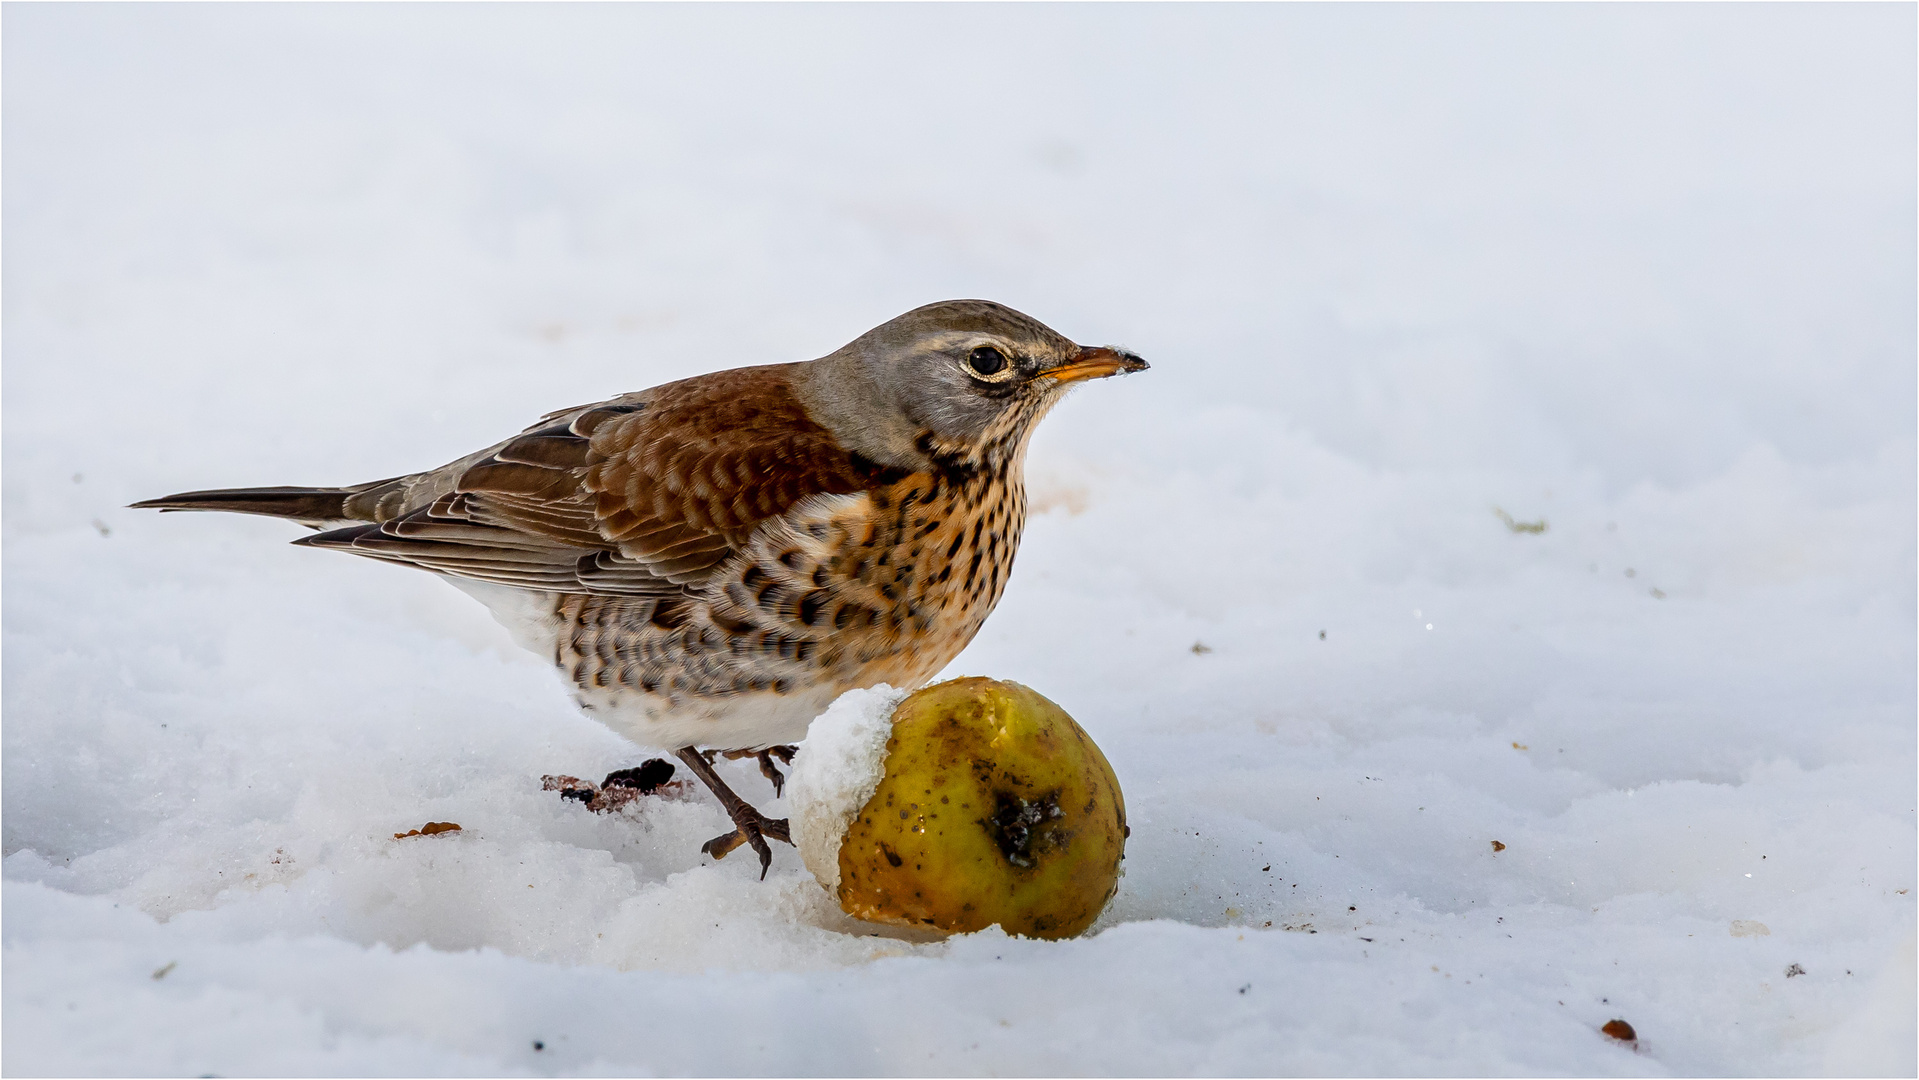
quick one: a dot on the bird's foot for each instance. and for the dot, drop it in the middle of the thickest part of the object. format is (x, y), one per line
(750, 827)
(767, 768)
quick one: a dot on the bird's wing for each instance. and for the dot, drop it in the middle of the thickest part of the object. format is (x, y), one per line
(641, 494)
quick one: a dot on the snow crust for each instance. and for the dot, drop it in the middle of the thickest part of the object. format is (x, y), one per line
(1645, 274)
(835, 772)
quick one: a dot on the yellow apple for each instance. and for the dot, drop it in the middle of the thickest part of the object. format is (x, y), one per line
(992, 806)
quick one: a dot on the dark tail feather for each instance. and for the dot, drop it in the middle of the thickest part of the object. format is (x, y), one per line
(305, 504)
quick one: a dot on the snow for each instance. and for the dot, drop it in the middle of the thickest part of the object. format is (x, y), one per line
(1645, 274)
(835, 772)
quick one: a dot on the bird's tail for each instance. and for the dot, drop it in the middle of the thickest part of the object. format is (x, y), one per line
(307, 505)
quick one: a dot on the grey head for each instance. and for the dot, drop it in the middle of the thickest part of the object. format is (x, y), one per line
(959, 382)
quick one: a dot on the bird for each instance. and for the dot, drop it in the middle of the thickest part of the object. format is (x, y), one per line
(711, 562)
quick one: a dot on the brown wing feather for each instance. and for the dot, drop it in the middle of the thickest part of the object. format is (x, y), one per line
(639, 494)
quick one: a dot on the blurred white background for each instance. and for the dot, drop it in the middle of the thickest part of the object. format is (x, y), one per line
(1631, 242)
(1646, 273)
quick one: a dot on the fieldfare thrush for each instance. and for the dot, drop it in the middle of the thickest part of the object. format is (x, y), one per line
(711, 562)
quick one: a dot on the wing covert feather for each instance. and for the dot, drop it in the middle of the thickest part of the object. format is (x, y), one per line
(641, 494)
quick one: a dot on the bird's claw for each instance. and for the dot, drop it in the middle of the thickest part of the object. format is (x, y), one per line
(754, 830)
(765, 758)
(749, 825)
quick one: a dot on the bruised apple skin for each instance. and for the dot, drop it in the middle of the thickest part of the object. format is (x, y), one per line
(994, 807)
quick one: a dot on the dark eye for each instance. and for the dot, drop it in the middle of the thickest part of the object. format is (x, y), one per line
(986, 360)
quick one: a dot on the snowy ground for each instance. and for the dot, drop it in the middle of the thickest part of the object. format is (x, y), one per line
(1643, 273)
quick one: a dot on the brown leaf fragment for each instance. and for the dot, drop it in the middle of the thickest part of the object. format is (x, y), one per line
(644, 780)
(428, 829)
(609, 799)
(571, 787)
(1497, 846)
(1620, 1030)
(620, 787)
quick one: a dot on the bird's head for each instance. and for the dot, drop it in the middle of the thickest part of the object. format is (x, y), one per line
(957, 383)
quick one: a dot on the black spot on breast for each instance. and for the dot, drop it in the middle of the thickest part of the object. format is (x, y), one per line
(877, 473)
(906, 506)
(810, 605)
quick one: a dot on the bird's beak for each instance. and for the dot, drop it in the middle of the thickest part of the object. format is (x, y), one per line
(1095, 363)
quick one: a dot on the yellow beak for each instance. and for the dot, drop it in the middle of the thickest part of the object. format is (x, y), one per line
(1096, 363)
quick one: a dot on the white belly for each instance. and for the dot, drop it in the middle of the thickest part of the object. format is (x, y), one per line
(733, 722)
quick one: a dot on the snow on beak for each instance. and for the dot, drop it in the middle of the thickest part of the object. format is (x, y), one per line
(1096, 362)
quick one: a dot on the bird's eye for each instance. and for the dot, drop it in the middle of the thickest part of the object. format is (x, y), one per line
(987, 362)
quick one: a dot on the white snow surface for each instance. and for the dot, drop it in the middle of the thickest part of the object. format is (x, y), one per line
(1643, 273)
(835, 772)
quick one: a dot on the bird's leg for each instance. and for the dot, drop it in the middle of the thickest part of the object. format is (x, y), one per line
(767, 768)
(749, 825)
